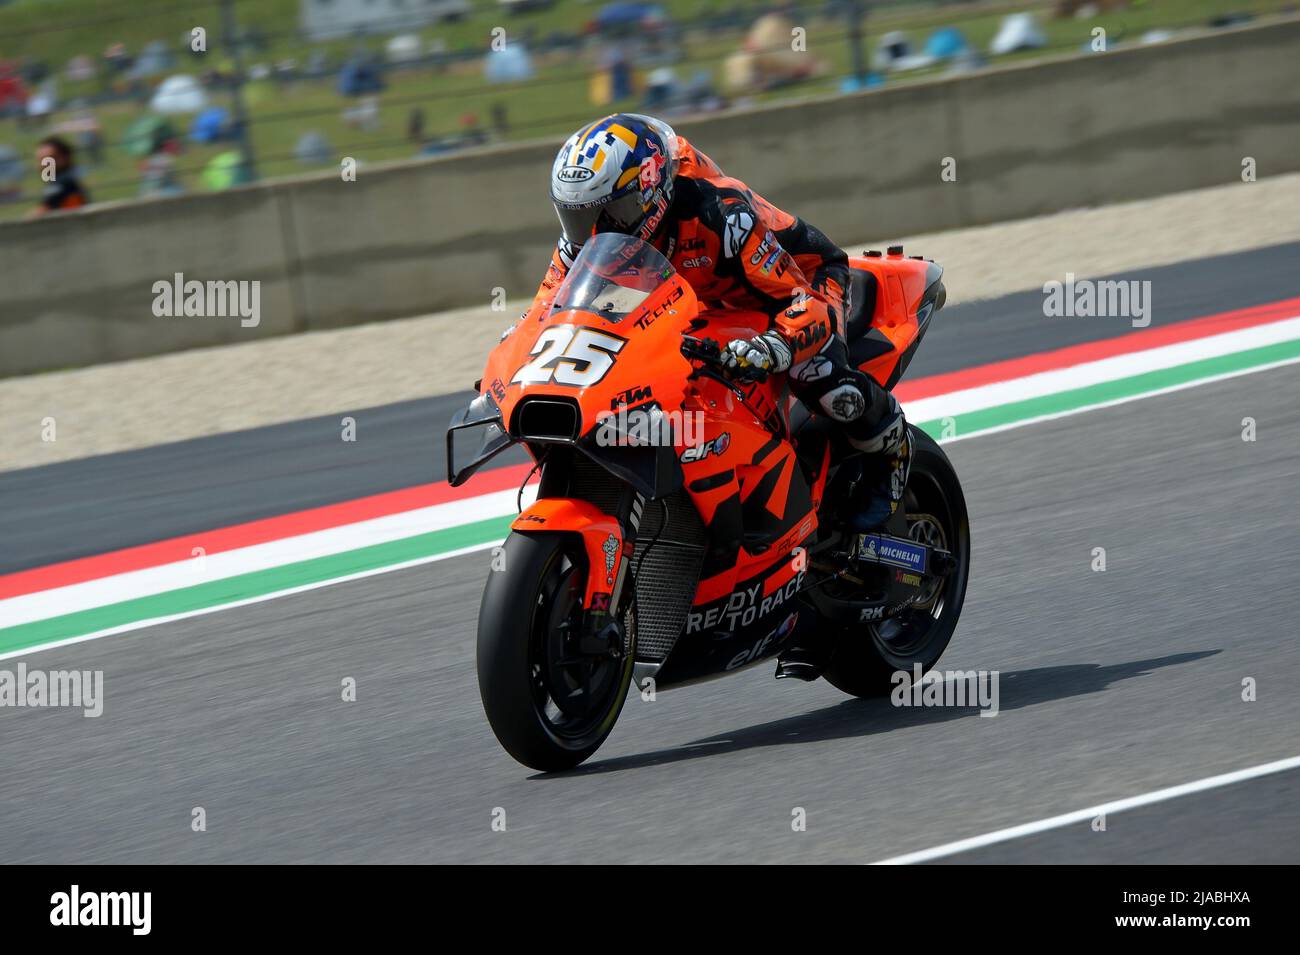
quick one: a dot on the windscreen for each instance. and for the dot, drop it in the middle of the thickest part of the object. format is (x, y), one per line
(612, 275)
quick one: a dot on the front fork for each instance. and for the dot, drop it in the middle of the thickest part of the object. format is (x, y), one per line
(609, 541)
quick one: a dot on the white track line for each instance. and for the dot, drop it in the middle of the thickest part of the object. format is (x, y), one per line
(1103, 370)
(1087, 815)
(160, 579)
(247, 601)
(1113, 402)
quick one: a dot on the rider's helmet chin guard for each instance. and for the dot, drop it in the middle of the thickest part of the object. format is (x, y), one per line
(615, 175)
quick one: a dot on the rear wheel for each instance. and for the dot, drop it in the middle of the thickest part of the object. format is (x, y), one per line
(549, 705)
(866, 656)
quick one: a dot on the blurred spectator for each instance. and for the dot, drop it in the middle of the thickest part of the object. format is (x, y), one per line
(158, 175)
(766, 59)
(91, 141)
(116, 65)
(13, 93)
(500, 125)
(80, 69)
(83, 127)
(364, 115)
(11, 174)
(313, 149)
(154, 60)
(41, 104)
(54, 164)
(35, 72)
(660, 90)
(415, 125)
(612, 81)
(471, 133)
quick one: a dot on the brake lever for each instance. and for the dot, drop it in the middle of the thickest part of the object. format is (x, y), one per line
(709, 352)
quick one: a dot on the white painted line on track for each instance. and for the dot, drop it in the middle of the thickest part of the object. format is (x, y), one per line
(1113, 402)
(260, 598)
(1102, 371)
(1092, 812)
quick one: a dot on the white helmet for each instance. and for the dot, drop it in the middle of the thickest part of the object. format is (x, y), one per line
(615, 175)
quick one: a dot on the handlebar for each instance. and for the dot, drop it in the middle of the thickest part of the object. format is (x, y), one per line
(709, 353)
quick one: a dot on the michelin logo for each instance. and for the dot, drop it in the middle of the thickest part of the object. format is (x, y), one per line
(889, 550)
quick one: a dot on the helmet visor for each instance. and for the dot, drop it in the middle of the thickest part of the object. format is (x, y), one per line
(623, 215)
(577, 224)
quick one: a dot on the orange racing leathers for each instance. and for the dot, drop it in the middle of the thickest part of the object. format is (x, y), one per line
(737, 249)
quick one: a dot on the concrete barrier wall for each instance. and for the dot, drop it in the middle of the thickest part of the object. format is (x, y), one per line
(430, 234)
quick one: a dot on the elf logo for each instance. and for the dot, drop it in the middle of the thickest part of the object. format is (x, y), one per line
(74, 908)
(699, 452)
(758, 649)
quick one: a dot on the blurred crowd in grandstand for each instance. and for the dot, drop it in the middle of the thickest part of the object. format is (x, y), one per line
(146, 98)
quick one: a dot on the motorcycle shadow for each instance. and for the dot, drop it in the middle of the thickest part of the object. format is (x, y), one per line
(855, 718)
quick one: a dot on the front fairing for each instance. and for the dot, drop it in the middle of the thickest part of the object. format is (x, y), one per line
(609, 342)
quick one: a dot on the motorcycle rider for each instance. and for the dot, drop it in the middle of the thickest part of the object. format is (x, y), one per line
(632, 174)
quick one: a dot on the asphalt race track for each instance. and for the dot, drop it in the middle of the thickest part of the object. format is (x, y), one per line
(1112, 683)
(77, 508)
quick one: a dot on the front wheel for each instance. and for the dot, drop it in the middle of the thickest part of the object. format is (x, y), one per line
(866, 657)
(549, 705)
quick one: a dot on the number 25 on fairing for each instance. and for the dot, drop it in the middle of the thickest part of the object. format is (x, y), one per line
(569, 356)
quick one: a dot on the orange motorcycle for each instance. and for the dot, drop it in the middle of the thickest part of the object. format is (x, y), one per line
(689, 524)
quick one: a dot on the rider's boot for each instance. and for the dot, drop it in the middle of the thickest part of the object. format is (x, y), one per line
(883, 464)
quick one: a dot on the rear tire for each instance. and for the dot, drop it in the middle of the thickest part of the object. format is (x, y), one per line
(519, 644)
(863, 662)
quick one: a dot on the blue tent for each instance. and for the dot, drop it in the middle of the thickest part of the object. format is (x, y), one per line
(210, 125)
(627, 14)
(357, 78)
(946, 43)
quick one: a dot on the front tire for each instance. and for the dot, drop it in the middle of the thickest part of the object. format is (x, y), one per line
(548, 712)
(866, 657)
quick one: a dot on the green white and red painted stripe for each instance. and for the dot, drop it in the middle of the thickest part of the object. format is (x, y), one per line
(233, 566)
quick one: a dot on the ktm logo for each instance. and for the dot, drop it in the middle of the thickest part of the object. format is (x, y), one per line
(631, 396)
(809, 335)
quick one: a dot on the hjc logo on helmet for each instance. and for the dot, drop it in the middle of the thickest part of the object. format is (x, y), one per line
(574, 174)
